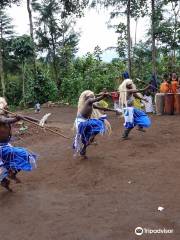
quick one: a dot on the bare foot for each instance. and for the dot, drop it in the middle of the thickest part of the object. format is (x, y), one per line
(12, 175)
(83, 157)
(141, 130)
(17, 180)
(125, 138)
(5, 183)
(94, 143)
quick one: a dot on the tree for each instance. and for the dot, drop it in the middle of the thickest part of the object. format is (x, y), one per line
(97, 53)
(131, 9)
(3, 4)
(153, 36)
(55, 28)
(23, 50)
(168, 32)
(6, 31)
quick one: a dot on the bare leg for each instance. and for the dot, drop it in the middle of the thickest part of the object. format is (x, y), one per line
(12, 175)
(126, 133)
(83, 152)
(5, 183)
(141, 129)
(91, 141)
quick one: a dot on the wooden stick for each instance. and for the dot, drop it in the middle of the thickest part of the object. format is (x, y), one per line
(146, 83)
(36, 124)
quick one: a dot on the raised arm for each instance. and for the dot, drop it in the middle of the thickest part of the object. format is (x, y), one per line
(104, 109)
(91, 101)
(139, 90)
(9, 120)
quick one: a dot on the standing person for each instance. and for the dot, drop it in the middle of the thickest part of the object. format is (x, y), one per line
(89, 121)
(165, 86)
(37, 107)
(115, 99)
(174, 83)
(148, 104)
(132, 116)
(12, 159)
(125, 75)
(178, 90)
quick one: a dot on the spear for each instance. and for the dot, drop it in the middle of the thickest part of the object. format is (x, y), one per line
(36, 124)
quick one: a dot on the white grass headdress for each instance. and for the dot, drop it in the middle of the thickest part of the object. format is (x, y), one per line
(3, 104)
(123, 92)
(96, 113)
(83, 98)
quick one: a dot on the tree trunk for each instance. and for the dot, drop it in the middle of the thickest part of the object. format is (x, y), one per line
(153, 37)
(1, 63)
(176, 14)
(23, 82)
(30, 19)
(2, 71)
(31, 32)
(135, 35)
(54, 61)
(129, 37)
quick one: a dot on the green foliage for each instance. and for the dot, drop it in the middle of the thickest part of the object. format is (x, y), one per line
(89, 73)
(23, 47)
(40, 87)
(56, 74)
(45, 88)
(13, 87)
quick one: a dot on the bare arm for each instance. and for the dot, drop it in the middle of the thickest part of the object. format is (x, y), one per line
(104, 109)
(139, 90)
(91, 101)
(138, 97)
(7, 120)
(100, 94)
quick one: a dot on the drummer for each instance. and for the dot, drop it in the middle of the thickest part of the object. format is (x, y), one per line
(179, 85)
(174, 83)
(165, 86)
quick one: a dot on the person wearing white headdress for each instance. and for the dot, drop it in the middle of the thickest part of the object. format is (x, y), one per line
(89, 121)
(132, 116)
(12, 159)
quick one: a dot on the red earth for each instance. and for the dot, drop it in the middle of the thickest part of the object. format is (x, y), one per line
(119, 187)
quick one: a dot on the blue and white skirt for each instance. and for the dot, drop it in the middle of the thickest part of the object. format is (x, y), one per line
(15, 158)
(135, 117)
(87, 128)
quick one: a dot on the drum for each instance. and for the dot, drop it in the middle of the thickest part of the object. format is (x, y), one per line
(169, 103)
(159, 100)
(177, 103)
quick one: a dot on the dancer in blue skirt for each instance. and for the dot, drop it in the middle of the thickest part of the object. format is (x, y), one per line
(89, 121)
(132, 116)
(12, 159)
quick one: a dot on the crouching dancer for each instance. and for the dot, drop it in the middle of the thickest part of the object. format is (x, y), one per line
(89, 121)
(132, 116)
(12, 159)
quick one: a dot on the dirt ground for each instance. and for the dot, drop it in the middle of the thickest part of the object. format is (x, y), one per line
(106, 197)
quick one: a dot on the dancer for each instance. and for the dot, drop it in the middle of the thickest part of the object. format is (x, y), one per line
(133, 116)
(12, 159)
(37, 107)
(89, 121)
